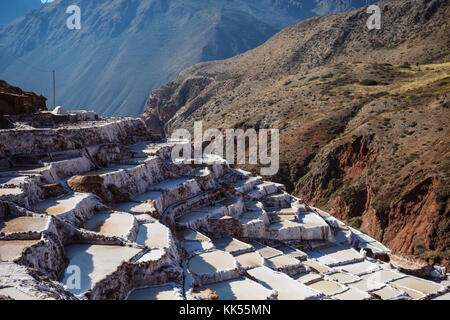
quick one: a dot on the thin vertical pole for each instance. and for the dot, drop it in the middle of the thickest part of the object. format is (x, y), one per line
(54, 102)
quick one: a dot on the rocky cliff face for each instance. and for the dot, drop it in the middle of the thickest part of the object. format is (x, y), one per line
(15, 101)
(363, 116)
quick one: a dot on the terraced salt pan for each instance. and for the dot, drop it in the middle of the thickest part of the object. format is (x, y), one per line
(316, 266)
(23, 224)
(193, 247)
(148, 196)
(284, 224)
(200, 214)
(343, 277)
(169, 184)
(95, 262)
(351, 294)
(12, 249)
(10, 191)
(387, 292)
(382, 276)
(140, 210)
(153, 235)
(292, 252)
(278, 217)
(412, 293)
(282, 261)
(16, 294)
(240, 289)
(114, 224)
(287, 288)
(306, 278)
(61, 205)
(211, 262)
(232, 245)
(193, 235)
(250, 259)
(13, 181)
(423, 286)
(365, 285)
(445, 296)
(336, 255)
(153, 255)
(360, 268)
(326, 287)
(155, 293)
(268, 252)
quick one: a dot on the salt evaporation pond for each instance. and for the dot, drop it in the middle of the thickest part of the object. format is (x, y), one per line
(95, 262)
(326, 287)
(155, 293)
(61, 205)
(211, 262)
(11, 249)
(240, 289)
(251, 259)
(23, 224)
(114, 224)
(153, 235)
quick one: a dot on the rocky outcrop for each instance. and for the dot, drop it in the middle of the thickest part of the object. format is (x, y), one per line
(15, 101)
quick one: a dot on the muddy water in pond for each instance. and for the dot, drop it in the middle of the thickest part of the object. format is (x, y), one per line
(114, 224)
(240, 289)
(212, 262)
(155, 293)
(11, 249)
(326, 287)
(23, 224)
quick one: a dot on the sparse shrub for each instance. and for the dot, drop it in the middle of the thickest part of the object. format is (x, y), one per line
(405, 65)
(369, 82)
(355, 222)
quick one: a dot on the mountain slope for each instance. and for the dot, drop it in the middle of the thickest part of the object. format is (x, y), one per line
(13, 9)
(363, 116)
(126, 47)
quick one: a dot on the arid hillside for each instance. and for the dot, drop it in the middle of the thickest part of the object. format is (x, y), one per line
(363, 116)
